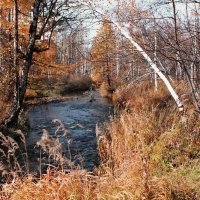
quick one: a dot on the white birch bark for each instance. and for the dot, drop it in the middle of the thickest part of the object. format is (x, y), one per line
(155, 55)
(152, 65)
(155, 61)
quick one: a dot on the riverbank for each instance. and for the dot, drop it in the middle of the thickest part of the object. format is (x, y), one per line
(45, 100)
(57, 88)
(148, 151)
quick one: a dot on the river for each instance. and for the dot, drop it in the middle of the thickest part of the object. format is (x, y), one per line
(79, 116)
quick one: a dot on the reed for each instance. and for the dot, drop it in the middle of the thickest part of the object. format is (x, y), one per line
(147, 152)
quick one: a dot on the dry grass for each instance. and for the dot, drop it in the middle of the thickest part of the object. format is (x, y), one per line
(9, 164)
(150, 147)
(148, 152)
(106, 91)
(53, 185)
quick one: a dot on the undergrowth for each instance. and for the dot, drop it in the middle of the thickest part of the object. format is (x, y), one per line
(148, 151)
(74, 85)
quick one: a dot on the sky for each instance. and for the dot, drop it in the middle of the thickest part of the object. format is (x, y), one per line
(165, 10)
(93, 24)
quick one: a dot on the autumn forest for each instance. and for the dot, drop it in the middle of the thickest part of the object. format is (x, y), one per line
(100, 99)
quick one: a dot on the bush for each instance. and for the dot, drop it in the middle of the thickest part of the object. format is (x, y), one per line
(75, 85)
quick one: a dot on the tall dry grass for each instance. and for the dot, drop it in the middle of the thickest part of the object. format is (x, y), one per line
(148, 151)
(53, 185)
(152, 147)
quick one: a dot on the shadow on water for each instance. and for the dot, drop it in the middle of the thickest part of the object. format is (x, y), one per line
(80, 117)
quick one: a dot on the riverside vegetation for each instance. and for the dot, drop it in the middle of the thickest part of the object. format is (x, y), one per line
(44, 87)
(148, 150)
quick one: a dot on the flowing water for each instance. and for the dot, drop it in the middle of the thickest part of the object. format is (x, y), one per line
(79, 117)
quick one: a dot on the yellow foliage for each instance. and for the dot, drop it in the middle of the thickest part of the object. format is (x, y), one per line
(103, 54)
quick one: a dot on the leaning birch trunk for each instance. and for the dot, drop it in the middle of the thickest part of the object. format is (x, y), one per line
(126, 34)
(152, 65)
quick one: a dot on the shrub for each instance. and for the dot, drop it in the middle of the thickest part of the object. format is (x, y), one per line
(75, 85)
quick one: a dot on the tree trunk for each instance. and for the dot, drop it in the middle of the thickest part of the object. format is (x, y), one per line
(183, 67)
(152, 65)
(15, 58)
(18, 102)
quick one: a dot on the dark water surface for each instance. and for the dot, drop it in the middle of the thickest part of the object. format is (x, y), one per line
(80, 117)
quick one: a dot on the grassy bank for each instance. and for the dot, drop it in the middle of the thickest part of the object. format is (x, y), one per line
(148, 151)
(58, 87)
(151, 150)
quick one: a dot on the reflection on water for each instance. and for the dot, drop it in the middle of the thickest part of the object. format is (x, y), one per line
(79, 117)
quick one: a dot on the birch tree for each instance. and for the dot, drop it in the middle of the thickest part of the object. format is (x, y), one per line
(177, 43)
(124, 29)
(193, 89)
